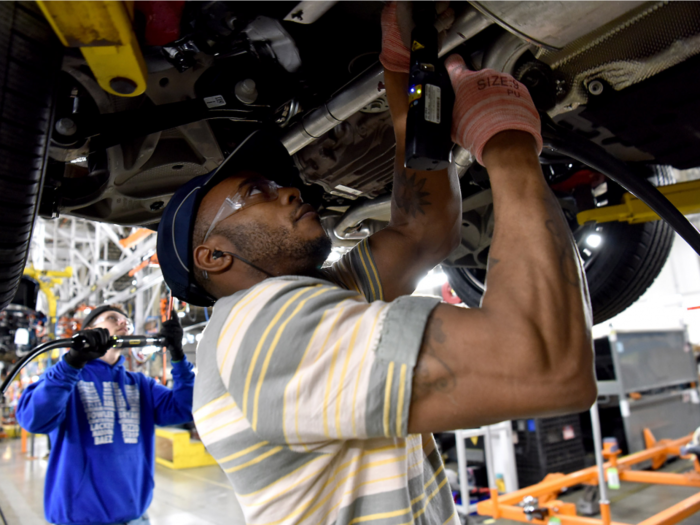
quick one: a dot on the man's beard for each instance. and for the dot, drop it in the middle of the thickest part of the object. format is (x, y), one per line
(278, 250)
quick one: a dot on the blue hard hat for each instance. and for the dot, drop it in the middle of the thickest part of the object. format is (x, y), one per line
(261, 152)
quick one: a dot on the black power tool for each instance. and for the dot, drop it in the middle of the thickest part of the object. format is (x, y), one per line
(430, 97)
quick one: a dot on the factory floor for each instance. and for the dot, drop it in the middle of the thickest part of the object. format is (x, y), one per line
(202, 496)
(633, 502)
(197, 496)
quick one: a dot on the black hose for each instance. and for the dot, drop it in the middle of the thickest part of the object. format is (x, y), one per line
(570, 144)
(45, 347)
(59, 343)
(127, 341)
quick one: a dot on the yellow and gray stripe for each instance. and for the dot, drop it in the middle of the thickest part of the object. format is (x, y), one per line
(302, 396)
(358, 271)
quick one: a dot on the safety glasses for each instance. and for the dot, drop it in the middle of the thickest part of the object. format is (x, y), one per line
(249, 193)
(116, 319)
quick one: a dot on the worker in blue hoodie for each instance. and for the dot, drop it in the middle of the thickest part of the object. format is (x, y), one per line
(101, 421)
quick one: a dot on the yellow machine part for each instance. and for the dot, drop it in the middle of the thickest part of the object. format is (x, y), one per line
(103, 32)
(47, 279)
(685, 196)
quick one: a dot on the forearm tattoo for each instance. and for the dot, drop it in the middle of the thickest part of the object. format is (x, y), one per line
(568, 262)
(425, 381)
(408, 193)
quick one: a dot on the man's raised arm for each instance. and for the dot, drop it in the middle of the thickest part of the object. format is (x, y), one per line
(426, 207)
(527, 351)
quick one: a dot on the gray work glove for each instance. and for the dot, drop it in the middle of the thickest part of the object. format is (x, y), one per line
(88, 345)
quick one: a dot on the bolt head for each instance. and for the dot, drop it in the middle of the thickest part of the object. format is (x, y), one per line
(122, 85)
(595, 87)
(66, 127)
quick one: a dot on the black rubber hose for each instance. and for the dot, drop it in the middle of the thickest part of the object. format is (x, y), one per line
(127, 341)
(572, 145)
(58, 343)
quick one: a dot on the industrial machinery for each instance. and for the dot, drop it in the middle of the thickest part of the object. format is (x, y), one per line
(130, 100)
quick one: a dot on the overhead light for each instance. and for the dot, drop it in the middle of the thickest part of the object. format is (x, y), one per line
(78, 160)
(181, 314)
(22, 337)
(594, 240)
(198, 337)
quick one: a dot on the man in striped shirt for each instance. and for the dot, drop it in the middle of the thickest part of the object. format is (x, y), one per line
(317, 389)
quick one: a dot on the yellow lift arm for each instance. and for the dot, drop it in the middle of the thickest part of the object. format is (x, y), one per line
(103, 32)
(47, 279)
(685, 196)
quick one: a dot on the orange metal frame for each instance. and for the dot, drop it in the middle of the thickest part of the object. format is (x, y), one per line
(506, 506)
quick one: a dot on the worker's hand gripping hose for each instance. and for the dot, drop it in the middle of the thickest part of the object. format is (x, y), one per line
(171, 331)
(80, 340)
(88, 345)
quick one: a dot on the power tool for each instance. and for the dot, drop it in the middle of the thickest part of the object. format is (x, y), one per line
(430, 97)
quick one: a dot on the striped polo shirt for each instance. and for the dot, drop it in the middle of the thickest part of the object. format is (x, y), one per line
(302, 395)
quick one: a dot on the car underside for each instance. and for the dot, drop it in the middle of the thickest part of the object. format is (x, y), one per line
(621, 76)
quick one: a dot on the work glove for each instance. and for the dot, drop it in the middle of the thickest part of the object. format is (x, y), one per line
(87, 345)
(486, 103)
(397, 24)
(172, 332)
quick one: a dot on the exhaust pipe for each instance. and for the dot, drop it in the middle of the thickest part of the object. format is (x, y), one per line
(381, 206)
(368, 87)
(378, 207)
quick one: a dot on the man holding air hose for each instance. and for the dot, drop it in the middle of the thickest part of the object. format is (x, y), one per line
(101, 421)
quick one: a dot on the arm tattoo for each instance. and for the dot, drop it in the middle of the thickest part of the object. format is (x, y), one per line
(424, 381)
(492, 263)
(568, 263)
(408, 193)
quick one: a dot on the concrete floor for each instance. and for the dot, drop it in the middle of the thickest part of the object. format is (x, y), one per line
(202, 496)
(198, 496)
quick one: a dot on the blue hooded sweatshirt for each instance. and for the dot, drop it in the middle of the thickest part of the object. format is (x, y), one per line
(101, 421)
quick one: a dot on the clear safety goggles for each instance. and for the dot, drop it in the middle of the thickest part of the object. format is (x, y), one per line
(248, 194)
(116, 319)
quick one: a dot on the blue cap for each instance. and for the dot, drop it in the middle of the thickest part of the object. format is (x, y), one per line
(261, 152)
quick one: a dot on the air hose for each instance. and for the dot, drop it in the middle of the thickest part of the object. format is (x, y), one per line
(572, 145)
(117, 342)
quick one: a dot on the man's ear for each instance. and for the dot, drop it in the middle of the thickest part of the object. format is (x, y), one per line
(205, 261)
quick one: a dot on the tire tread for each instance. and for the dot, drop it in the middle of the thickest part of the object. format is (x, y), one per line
(29, 62)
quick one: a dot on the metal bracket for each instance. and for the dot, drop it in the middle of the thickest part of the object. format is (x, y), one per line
(685, 196)
(103, 32)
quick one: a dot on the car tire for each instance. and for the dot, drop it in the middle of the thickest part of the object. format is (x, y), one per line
(29, 63)
(633, 257)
